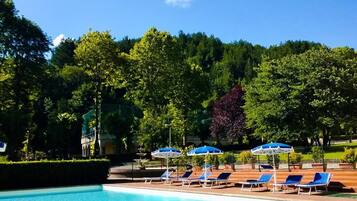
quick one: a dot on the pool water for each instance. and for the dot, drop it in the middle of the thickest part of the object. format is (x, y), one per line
(98, 193)
(92, 196)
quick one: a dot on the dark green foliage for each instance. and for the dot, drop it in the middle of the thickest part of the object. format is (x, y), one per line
(304, 95)
(237, 66)
(289, 48)
(64, 53)
(201, 49)
(53, 173)
(126, 44)
(22, 59)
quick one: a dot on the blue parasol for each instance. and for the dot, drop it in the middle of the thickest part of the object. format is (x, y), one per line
(167, 152)
(272, 149)
(205, 150)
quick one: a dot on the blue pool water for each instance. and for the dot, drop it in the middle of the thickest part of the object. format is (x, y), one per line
(97, 193)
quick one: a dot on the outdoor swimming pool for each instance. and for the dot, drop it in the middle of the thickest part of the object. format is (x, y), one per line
(99, 193)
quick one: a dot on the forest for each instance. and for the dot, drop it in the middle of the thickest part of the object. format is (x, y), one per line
(298, 92)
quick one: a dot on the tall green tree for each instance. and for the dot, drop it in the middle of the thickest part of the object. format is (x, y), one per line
(237, 66)
(306, 95)
(98, 54)
(200, 49)
(152, 75)
(64, 53)
(22, 55)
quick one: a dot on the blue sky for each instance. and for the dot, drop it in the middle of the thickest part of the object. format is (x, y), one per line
(265, 22)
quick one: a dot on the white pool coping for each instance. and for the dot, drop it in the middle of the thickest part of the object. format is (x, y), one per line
(186, 195)
(45, 191)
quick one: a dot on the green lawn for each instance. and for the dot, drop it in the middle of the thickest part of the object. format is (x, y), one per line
(343, 195)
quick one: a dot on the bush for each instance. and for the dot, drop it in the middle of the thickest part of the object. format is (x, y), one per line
(227, 158)
(3, 159)
(198, 161)
(349, 156)
(53, 173)
(295, 157)
(247, 157)
(276, 159)
(184, 159)
(213, 160)
(317, 154)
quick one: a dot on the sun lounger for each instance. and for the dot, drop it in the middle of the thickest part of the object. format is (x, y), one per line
(267, 167)
(264, 179)
(321, 179)
(185, 175)
(192, 179)
(163, 177)
(221, 179)
(291, 181)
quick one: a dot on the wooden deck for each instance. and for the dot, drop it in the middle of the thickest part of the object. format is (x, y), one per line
(342, 181)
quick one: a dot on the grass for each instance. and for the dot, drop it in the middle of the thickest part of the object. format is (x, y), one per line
(331, 153)
(343, 195)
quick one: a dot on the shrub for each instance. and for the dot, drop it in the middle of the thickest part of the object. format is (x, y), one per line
(276, 159)
(53, 173)
(295, 157)
(198, 161)
(3, 159)
(227, 158)
(317, 154)
(213, 160)
(349, 156)
(184, 159)
(247, 157)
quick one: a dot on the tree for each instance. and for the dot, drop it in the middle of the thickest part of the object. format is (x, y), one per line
(236, 66)
(64, 53)
(155, 63)
(228, 118)
(306, 95)
(201, 50)
(290, 48)
(22, 59)
(98, 54)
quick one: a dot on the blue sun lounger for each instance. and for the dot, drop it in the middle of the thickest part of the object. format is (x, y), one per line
(321, 179)
(291, 181)
(185, 175)
(221, 178)
(264, 179)
(190, 179)
(163, 177)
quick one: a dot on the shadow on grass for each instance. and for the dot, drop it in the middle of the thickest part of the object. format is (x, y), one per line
(342, 195)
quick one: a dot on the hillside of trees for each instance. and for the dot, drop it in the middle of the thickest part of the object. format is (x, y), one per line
(247, 93)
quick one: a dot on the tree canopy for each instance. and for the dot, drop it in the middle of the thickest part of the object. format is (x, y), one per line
(303, 95)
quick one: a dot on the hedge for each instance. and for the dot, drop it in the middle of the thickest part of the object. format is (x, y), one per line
(30, 174)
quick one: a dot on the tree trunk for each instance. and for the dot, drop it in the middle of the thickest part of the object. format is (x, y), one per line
(98, 105)
(325, 135)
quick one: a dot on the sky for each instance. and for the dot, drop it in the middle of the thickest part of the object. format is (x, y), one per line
(264, 22)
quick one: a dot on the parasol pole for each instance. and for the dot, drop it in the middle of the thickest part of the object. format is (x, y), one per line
(274, 173)
(167, 168)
